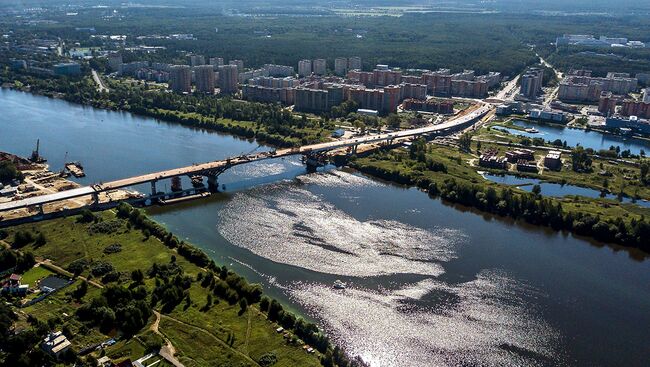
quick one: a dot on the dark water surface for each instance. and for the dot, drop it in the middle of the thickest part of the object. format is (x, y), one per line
(428, 284)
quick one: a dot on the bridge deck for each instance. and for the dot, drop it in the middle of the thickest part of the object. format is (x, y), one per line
(215, 165)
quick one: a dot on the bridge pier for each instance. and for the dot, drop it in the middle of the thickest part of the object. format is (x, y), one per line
(213, 183)
(95, 200)
(153, 188)
(41, 211)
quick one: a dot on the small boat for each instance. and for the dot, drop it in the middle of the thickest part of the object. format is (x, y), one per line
(339, 285)
(532, 130)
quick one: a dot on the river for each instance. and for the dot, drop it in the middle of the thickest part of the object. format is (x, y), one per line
(428, 284)
(586, 138)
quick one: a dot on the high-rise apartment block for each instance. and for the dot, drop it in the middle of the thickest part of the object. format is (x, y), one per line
(196, 60)
(216, 61)
(180, 78)
(319, 67)
(340, 66)
(228, 79)
(580, 86)
(238, 63)
(204, 77)
(115, 61)
(531, 83)
(304, 68)
(354, 63)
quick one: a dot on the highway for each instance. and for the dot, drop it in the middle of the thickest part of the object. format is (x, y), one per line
(208, 167)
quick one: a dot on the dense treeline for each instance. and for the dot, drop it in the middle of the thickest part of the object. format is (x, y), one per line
(529, 207)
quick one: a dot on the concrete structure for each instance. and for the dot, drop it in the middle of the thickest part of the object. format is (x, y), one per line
(228, 78)
(279, 70)
(438, 84)
(67, 69)
(633, 122)
(238, 63)
(635, 108)
(553, 160)
(416, 91)
(257, 93)
(180, 79)
(115, 61)
(607, 103)
(582, 87)
(490, 159)
(514, 156)
(216, 62)
(196, 60)
(204, 78)
(340, 66)
(383, 77)
(432, 105)
(549, 115)
(304, 68)
(354, 63)
(531, 83)
(469, 88)
(646, 95)
(319, 67)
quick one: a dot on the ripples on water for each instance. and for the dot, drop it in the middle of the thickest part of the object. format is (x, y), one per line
(486, 321)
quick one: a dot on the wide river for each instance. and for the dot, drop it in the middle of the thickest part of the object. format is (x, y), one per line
(428, 284)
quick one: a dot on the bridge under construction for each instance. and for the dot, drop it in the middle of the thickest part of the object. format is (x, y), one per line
(213, 169)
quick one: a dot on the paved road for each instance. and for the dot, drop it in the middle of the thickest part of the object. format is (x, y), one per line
(222, 164)
(100, 83)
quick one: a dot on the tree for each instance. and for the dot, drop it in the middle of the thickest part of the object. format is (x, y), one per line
(243, 305)
(81, 290)
(465, 142)
(537, 190)
(137, 276)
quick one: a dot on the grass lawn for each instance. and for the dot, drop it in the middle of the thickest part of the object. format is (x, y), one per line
(34, 274)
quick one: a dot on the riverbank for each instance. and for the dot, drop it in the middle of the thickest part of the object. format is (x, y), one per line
(445, 173)
(267, 123)
(210, 314)
(37, 180)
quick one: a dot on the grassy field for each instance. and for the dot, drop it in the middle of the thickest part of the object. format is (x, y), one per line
(201, 337)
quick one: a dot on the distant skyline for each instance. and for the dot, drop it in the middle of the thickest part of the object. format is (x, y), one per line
(585, 7)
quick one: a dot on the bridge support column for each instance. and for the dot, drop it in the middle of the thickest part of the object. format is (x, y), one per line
(213, 183)
(354, 149)
(153, 188)
(40, 209)
(95, 198)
